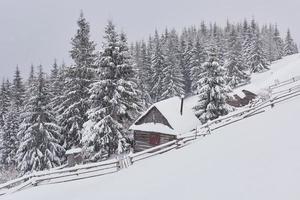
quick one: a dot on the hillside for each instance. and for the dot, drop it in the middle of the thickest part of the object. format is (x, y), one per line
(256, 158)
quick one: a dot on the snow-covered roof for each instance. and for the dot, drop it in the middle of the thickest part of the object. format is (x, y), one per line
(170, 109)
(73, 151)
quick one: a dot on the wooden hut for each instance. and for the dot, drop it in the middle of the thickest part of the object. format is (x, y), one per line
(163, 122)
(74, 157)
(238, 101)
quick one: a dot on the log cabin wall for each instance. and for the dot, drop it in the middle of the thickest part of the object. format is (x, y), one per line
(142, 140)
(155, 116)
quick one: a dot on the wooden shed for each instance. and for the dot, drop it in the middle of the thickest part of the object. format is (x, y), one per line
(238, 101)
(74, 157)
(163, 122)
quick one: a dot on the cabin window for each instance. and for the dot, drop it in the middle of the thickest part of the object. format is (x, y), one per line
(154, 139)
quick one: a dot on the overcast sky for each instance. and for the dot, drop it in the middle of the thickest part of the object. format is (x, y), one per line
(38, 31)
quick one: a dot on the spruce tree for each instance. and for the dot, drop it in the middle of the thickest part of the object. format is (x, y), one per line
(185, 60)
(255, 56)
(173, 80)
(12, 121)
(56, 86)
(4, 101)
(78, 78)
(289, 46)
(5, 98)
(18, 90)
(39, 133)
(257, 59)
(10, 141)
(196, 62)
(144, 75)
(278, 44)
(157, 66)
(213, 93)
(236, 70)
(114, 99)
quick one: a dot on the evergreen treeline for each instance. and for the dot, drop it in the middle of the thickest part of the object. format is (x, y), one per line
(91, 103)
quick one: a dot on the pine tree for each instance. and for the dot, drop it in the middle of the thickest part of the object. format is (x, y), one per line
(56, 85)
(78, 78)
(197, 59)
(289, 46)
(278, 44)
(157, 66)
(172, 83)
(12, 120)
(257, 59)
(4, 101)
(18, 90)
(10, 142)
(213, 93)
(114, 99)
(39, 133)
(234, 65)
(144, 73)
(185, 60)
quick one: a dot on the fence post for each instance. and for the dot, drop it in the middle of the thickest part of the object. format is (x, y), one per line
(208, 130)
(272, 104)
(124, 161)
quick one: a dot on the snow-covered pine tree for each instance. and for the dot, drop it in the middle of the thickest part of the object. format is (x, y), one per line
(12, 121)
(144, 73)
(246, 43)
(173, 81)
(256, 58)
(4, 100)
(236, 70)
(217, 41)
(198, 58)
(203, 29)
(268, 45)
(78, 78)
(278, 44)
(253, 50)
(10, 141)
(5, 97)
(186, 46)
(18, 90)
(289, 46)
(56, 86)
(39, 133)
(127, 85)
(114, 99)
(213, 93)
(157, 66)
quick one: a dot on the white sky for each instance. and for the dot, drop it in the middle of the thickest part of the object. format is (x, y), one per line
(37, 31)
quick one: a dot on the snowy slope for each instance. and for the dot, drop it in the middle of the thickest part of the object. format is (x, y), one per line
(256, 158)
(280, 70)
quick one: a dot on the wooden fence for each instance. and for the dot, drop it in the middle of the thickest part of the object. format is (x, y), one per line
(61, 174)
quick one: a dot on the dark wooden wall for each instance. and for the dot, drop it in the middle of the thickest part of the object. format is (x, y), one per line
(237, 101)
(154, 116)
(142, 139)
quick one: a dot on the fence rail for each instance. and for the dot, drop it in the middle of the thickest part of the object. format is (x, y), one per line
(61, 174)
(286, 82)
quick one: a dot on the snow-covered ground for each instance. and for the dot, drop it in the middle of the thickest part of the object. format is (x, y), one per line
(256, 158)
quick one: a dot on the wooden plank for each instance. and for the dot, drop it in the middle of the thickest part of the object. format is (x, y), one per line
(153, 149)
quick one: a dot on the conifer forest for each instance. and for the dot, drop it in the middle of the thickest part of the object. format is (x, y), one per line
(91, 103)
